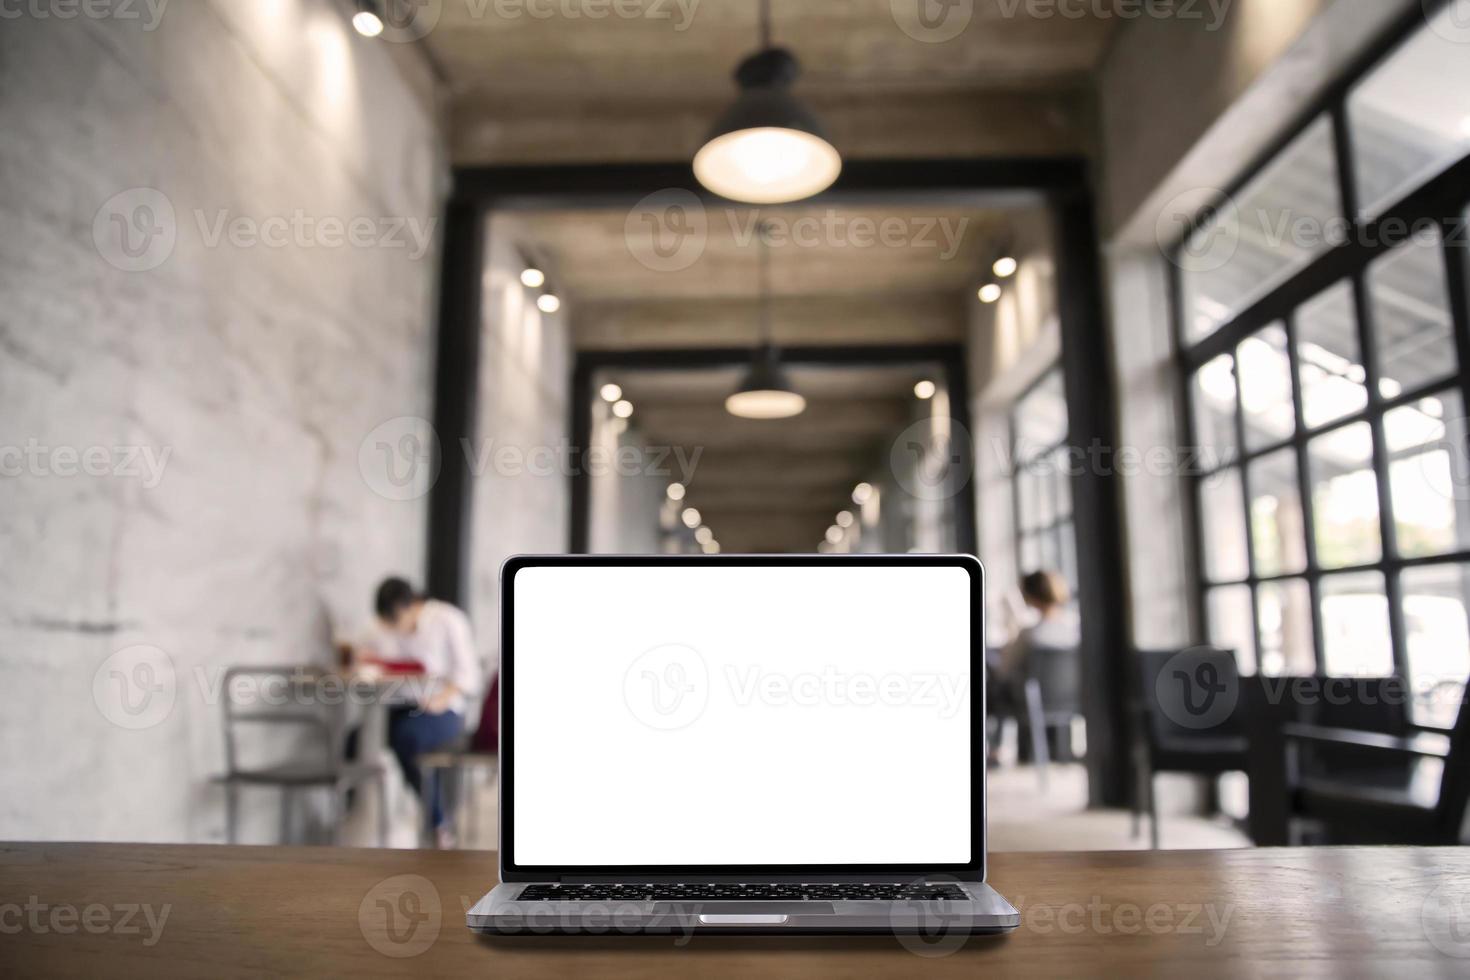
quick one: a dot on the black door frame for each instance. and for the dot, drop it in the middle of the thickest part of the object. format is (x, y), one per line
(949, 358)
(1062, 184)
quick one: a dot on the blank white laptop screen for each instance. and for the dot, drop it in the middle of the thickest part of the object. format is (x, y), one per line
(708, 714)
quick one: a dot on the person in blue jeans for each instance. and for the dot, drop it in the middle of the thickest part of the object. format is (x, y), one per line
(436, 636)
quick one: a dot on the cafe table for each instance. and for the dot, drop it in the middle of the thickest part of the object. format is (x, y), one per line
(156, 910)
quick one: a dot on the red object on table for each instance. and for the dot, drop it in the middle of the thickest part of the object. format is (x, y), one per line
(396, 666)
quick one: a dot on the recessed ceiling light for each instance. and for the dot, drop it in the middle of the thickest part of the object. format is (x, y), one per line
(834, 534)
(548, 303)
(532, 277)
(704, 535)
(611, 392)
(862, 493)
(711, 547)
(989, 293)
(623, 409)
(844, 519)
(676, 491)
(690, 518)
(1005, 266)
(924, 390)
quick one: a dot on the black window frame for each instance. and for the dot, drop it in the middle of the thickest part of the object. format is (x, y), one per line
(1038, 461)
(1443, 200)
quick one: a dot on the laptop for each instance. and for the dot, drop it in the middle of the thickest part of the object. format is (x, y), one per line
(738, 744)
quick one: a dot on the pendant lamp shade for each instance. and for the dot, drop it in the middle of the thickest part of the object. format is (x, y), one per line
(765, 392)
(767, 148)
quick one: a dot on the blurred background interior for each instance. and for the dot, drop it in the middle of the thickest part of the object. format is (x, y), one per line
(297, 295)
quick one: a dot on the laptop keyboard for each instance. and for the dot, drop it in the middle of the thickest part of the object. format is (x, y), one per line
(825, 892)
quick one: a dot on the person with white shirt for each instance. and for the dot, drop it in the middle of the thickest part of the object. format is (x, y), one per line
(1055, 624)
(435, 635)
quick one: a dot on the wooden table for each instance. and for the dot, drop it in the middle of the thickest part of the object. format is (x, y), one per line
(64, 910)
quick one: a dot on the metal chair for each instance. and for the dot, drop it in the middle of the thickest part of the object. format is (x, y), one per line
(476, 753)
(1053, 695)
(1164, 744)
(281, 700)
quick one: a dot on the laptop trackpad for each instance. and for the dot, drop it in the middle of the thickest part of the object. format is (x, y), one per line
(743, 908)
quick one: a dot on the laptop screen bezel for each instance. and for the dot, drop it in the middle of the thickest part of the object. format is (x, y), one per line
(511, 871)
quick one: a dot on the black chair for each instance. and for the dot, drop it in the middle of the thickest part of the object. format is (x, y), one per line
(1053, 696)
(1405, 788)
(1179, 728)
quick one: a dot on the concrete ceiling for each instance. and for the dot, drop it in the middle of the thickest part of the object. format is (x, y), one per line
(900, 273)
(546, 79)
(775, 486)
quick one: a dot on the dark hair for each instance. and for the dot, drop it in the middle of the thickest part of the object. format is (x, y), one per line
(394, 596)
(1046, 589)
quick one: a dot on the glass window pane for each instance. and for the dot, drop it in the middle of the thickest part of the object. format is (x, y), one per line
(1329, 358)
(1411, 116)
(1435, 601)
(1285, 610)
(1355, 637)
(1265, 388)
(1041, 417)
(1062, 468)
(1030, 555)
(1222, 517)
(1277, 523)
(1254, 243)
(1345, 497)
(1411, 317)
(1232, 624)
(1427, 474)
(1025, 499)
(1214, 411)
(1068, 566)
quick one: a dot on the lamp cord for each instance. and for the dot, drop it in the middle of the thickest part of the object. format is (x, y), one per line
(765, 23)
(763, 273)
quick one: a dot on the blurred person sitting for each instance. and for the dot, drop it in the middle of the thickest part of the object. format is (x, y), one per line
(436, 636)
(1054, 625)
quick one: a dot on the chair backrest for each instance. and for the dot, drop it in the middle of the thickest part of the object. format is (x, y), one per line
(487, 736)
(1196, 675)
(1454, 787)
(1058, 672)
(274, 700)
